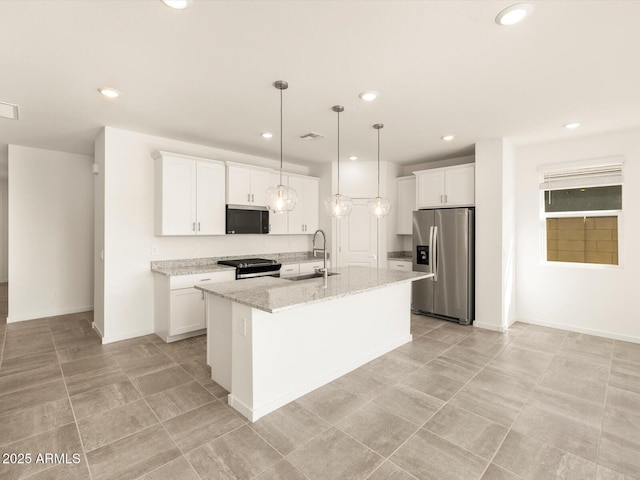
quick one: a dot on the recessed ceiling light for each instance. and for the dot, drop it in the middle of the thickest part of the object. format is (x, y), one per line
(572, 126)
(177, 4)
(109, 92)
(267, 135)
(353, 157)
(9, 110)
(369, 95)
(514, 14)
(448, 138)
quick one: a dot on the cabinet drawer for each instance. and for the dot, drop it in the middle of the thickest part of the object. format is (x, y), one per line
(290, 269)
(309, 267)
(400, 265)
(186, 281)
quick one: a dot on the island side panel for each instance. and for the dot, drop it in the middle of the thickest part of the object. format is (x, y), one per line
(218, 314)
(299, 350)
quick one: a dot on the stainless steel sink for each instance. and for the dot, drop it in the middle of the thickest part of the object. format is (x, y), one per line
(307, 276)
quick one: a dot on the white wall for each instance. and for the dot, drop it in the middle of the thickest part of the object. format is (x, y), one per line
(449, 162)
(4, 211)
(495, 231)
(98, 234)
(129, 228)
(50, 233)
(597, 300)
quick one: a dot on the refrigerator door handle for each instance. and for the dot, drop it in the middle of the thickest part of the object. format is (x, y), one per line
(431, 251)
(434, 250)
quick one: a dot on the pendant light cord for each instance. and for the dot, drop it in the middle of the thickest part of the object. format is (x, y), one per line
(338, 154)
(280, 136)
(378, 162)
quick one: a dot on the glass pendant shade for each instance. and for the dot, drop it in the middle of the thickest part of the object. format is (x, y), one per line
(338, 206)
(280, 199)
(379, 207)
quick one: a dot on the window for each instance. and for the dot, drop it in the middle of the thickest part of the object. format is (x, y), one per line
(582, 209)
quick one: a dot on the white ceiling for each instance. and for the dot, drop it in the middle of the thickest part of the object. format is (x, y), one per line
(205, 74)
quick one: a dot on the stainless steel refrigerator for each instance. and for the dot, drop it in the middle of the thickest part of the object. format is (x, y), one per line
(443, 244)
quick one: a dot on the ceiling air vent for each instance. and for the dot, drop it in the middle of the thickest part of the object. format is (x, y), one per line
(311, 136)
(8, 110)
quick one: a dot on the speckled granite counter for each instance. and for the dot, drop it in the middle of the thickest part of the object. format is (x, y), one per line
(278, 294)
(404, 256)
(191, 266)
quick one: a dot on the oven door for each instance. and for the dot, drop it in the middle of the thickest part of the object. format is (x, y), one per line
(247, 220)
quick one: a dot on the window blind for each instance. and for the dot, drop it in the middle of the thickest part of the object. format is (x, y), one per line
(598, 176)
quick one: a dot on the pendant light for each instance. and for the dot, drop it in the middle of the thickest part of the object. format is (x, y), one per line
(338, 206)
(280, 198)
(379, 206)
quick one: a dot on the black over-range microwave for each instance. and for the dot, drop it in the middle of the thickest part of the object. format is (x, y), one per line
(245, 219)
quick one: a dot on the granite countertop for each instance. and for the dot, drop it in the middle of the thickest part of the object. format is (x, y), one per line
(190, 266)
(274, 295)
(403, 255)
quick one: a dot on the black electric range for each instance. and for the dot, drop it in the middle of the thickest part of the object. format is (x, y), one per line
(253, 267)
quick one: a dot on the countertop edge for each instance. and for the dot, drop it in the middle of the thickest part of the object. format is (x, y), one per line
(313, 301)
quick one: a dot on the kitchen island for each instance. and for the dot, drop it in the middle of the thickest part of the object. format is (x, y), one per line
(271, 340)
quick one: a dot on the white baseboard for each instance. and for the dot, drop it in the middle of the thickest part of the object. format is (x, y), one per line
(489, 326)
(49, 313)
(573, 328)
(126, 335)
(97, 329)
(259, 411)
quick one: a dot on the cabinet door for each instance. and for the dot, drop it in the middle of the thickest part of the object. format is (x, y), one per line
(278, 223)
(187, 311)
(311, 204)
(176, 213)
(460, 186)
(297, 215)
(260, 181)
(210, 199)
(430, 189)
(406, 205)
(238, 185)
(310, 267)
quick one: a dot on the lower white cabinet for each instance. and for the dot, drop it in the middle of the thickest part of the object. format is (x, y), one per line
(301, 268)
(179, 308)
(290, 269)
(310, 267)
(400, 265)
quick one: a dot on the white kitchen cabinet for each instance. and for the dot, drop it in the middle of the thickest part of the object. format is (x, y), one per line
(400, 265)
(446, 187)
(302, 268)
(310, 267)
(290, 269)
(278, 222)
(179, 308)
(247, 185)
(406, 204)
(304, 218)
(189, 195)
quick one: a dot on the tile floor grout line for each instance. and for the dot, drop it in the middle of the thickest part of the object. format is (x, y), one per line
(420, 427)
(73, 412)
(604, 411)
(520, 413)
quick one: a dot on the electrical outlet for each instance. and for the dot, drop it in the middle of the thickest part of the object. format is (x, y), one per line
(55, 294)
(154, 249)
(197, 247)
(243, 327)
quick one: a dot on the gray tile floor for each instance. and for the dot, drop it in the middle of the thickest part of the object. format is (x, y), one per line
(457, 403)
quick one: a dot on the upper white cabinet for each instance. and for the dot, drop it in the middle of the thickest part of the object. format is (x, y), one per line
(247, 185)
(406, 204)
(304, 218)
(189, 195)
(446, 187)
